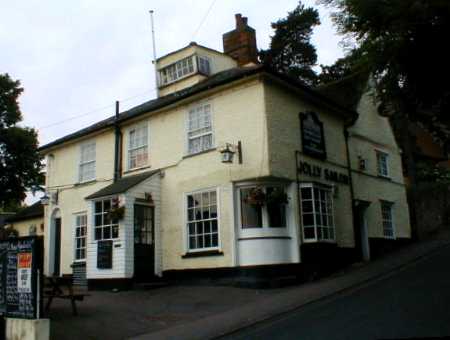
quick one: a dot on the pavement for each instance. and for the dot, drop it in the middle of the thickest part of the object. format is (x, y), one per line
(209, 312)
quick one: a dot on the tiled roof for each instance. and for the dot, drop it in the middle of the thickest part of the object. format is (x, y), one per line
(121, 185)
(33, 211)
(213, 81)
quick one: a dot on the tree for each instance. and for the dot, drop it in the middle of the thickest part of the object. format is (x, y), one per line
(20, 162)
(291, 51)
(403, 45)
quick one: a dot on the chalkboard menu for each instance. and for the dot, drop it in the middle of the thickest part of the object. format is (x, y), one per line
(313, 139)
(20, 261)
(104, 254)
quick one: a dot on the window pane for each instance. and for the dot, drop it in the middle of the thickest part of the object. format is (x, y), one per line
(98, 233)
(309, 232)
(277, 215)
(308, 219)
(251, 214)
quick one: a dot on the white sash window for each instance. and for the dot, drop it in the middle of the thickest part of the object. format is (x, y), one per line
(87, 162)
(200, 133)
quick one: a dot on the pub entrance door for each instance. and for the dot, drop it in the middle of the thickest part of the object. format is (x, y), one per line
(57, 245)
(144, 242)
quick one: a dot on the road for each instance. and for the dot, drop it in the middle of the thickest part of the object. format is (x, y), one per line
(412, 303)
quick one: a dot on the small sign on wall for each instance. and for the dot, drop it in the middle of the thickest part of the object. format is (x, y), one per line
(104, 254)
(24, 272)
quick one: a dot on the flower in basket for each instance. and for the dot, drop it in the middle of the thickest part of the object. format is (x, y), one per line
(117, 212)
(256, 196)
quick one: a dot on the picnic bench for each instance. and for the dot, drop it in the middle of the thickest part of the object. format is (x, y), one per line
(61, 287)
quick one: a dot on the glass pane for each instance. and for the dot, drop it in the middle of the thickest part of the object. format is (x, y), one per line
(205, 213)
(192, 243)
(207, 225)
(190, 201)
(98, 207)
(277, 215)
(98, 233)
(309, 232)
(106, 232)
(306, 193)
(199, 227)
(200, 241)
(106, 205)
(213, 211)
(308, 219)
(191, 228)
(205, 198)
(98, 220)
(207, 241)
(213, 197)
(106, 219)
(190, 214)
(251, 214)
(214, 225)
(115, 230)
(307, 206)
(215, 240)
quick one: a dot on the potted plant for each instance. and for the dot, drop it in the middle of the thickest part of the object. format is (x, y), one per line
(117, 213)
(256, 196)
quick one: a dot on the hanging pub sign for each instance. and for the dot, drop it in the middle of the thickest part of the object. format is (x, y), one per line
(20, 277)
(313, 140)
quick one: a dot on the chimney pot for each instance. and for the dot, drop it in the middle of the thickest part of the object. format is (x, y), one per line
(241, 42)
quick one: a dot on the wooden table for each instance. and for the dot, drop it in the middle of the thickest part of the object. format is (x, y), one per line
(61, 287)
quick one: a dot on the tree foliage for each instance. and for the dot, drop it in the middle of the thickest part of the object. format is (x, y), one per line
(291, 51)
(404, 45)
(20, 162)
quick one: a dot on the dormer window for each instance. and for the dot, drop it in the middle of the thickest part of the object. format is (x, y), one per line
(176, 71)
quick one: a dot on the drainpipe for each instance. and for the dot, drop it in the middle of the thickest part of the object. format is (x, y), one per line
(117, 146)
(356, 231)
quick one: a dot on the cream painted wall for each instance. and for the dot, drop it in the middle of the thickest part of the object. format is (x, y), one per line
(373, 132)
(62, 176)
(283, 108)
(23, 227)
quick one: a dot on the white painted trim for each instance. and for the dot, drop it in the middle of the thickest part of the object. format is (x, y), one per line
(185, 221)
(126, 144)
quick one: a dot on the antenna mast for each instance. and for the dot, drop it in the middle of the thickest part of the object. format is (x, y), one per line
(154, 52)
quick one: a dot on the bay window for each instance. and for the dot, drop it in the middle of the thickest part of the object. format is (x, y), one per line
(105, 226)
(138, 147)
(202, 220)
(262, 207)
(317, 212)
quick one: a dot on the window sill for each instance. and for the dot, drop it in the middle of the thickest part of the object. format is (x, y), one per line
(265, 238)
(202, 254)
(136, 169)
(387, 178)
(199, 153)
(79, 184)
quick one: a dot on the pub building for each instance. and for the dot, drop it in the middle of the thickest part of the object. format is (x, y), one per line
(234, 170)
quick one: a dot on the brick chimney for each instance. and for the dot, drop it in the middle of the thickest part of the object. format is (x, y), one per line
(240, 43)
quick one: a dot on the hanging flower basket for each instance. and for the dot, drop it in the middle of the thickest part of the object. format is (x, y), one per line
(277, 196)
(256, 196)
(117, 213)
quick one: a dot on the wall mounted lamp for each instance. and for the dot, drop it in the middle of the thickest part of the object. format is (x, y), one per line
(228, 151)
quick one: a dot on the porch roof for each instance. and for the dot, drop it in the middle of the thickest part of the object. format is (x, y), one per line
(121, 185)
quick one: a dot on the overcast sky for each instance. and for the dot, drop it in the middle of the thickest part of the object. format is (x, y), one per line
(76, 57)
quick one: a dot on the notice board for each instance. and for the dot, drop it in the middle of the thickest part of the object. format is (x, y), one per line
(104, 254)
(20, 283)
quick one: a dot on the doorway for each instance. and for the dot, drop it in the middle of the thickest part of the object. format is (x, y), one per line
(144, 242)
(57, 247)
(362, 228)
